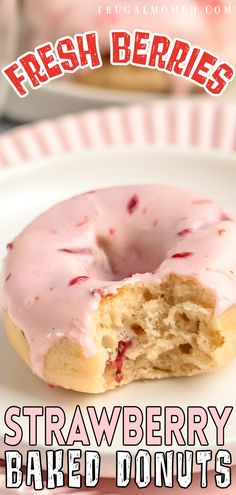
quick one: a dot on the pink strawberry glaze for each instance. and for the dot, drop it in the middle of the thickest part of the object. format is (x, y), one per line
(51, 285)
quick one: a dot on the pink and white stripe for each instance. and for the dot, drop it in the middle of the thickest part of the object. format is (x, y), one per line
(207, 124)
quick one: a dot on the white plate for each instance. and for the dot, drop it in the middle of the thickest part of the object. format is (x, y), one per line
(25, 192)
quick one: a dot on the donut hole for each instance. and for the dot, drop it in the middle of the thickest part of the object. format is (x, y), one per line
(105, 245)
(138, 255)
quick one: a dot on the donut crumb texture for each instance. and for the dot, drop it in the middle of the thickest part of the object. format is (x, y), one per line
(142, 332)
(170, 329)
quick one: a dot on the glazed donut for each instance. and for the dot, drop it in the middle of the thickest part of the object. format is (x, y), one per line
(122, 284)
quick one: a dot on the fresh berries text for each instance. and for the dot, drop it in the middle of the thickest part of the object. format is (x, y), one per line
(140, 48)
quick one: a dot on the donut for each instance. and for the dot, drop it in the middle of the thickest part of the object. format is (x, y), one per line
(121, 284)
